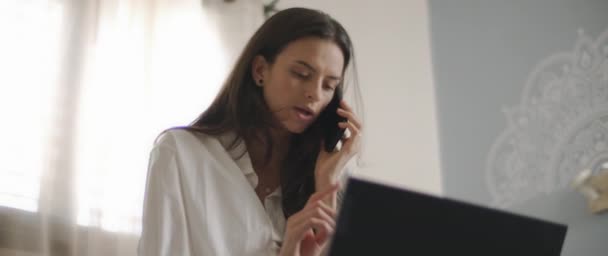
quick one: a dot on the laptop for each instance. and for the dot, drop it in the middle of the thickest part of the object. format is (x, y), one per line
(380, 220)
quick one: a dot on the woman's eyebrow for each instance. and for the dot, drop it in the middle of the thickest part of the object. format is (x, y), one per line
(304, 63)
(301, 62)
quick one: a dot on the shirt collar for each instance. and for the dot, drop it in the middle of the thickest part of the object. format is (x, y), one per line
(241, 157)
(239, 153)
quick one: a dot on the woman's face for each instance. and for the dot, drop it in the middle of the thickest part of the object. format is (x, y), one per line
(301, 81)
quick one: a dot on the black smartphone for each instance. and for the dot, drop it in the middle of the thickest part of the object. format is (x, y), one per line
(329, 119)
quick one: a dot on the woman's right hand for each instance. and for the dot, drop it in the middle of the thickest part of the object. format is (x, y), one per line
(308, 231)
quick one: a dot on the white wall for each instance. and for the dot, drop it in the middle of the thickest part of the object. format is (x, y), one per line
(392, 48)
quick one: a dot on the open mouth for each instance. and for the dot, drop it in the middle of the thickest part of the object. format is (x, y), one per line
(304, 114)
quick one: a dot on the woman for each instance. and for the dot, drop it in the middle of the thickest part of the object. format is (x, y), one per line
(250, 175)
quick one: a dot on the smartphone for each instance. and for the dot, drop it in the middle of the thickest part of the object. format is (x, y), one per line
(329, 119)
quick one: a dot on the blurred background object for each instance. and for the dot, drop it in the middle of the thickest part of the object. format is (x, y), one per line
(522, 93)
(85, 88)
(86, 85)
(594, 187)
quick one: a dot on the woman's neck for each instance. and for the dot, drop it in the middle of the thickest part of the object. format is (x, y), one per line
(257, 146)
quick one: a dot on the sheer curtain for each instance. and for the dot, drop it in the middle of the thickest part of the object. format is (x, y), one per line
(88, 84)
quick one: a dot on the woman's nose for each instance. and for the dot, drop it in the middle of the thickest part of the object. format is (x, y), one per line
(313, 91)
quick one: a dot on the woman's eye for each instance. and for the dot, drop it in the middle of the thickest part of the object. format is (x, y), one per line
(328, 87)
(300, 75)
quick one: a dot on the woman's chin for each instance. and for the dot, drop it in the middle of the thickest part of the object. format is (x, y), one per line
(296, 128)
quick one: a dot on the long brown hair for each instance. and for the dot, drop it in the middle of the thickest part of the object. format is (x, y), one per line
(240, 106)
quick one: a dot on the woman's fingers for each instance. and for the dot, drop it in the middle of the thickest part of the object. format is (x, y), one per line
(350, 145)
(345, 105)
(316, 220)
(324, 217)
(322, 227)
(321, 211)
(353, 124)
(350, 116)
(323, 194)
(328, 210)
(316, 207)
(318, 210)
(352, 128)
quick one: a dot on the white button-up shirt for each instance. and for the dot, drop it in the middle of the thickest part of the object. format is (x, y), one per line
(200, 200)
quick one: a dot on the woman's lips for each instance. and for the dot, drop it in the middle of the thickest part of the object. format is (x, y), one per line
(303, 114)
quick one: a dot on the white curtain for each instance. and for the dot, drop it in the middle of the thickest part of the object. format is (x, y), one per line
(85, 87)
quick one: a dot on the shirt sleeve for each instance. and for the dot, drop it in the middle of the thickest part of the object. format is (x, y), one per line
(164, 224)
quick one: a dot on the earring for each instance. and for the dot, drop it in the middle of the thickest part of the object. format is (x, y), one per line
(260, 82)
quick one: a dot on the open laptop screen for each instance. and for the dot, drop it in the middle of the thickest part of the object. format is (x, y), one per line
(381, 220)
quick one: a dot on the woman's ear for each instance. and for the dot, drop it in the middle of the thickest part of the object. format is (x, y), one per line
(259, 69)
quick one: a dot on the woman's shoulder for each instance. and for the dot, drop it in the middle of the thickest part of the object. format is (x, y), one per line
(193, 148)
(179, 137)
(184, 139)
